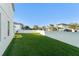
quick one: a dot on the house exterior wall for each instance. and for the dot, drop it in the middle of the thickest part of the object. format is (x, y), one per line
(6, 14)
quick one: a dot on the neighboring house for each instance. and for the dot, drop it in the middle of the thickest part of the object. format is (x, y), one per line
(18, 26)
(61, 26)
(6, 25)
(51, 28)
(47, 28)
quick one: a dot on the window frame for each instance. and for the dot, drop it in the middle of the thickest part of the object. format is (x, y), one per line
(8, 33)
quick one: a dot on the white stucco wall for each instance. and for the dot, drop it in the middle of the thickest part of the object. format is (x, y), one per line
(67, 37)
(6, 12)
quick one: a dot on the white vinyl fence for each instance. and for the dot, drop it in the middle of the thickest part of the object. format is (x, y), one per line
(32, 31)
(67, 37)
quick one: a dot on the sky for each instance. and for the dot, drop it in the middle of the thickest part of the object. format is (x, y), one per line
(42, 14)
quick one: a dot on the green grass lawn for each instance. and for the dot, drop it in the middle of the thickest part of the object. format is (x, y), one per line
(38, 45)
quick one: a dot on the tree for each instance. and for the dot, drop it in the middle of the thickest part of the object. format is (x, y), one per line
(54, 29)
(35, 27)
(74, 26)
(51, 27)
(44, 28)
(27, 28)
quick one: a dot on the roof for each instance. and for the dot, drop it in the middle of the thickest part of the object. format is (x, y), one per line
(62, 24)
(18, 23)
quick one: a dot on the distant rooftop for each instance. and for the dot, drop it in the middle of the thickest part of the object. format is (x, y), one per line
(62, 24)
(18, 23)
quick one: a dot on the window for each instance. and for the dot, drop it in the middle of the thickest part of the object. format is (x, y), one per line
(8, 28)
